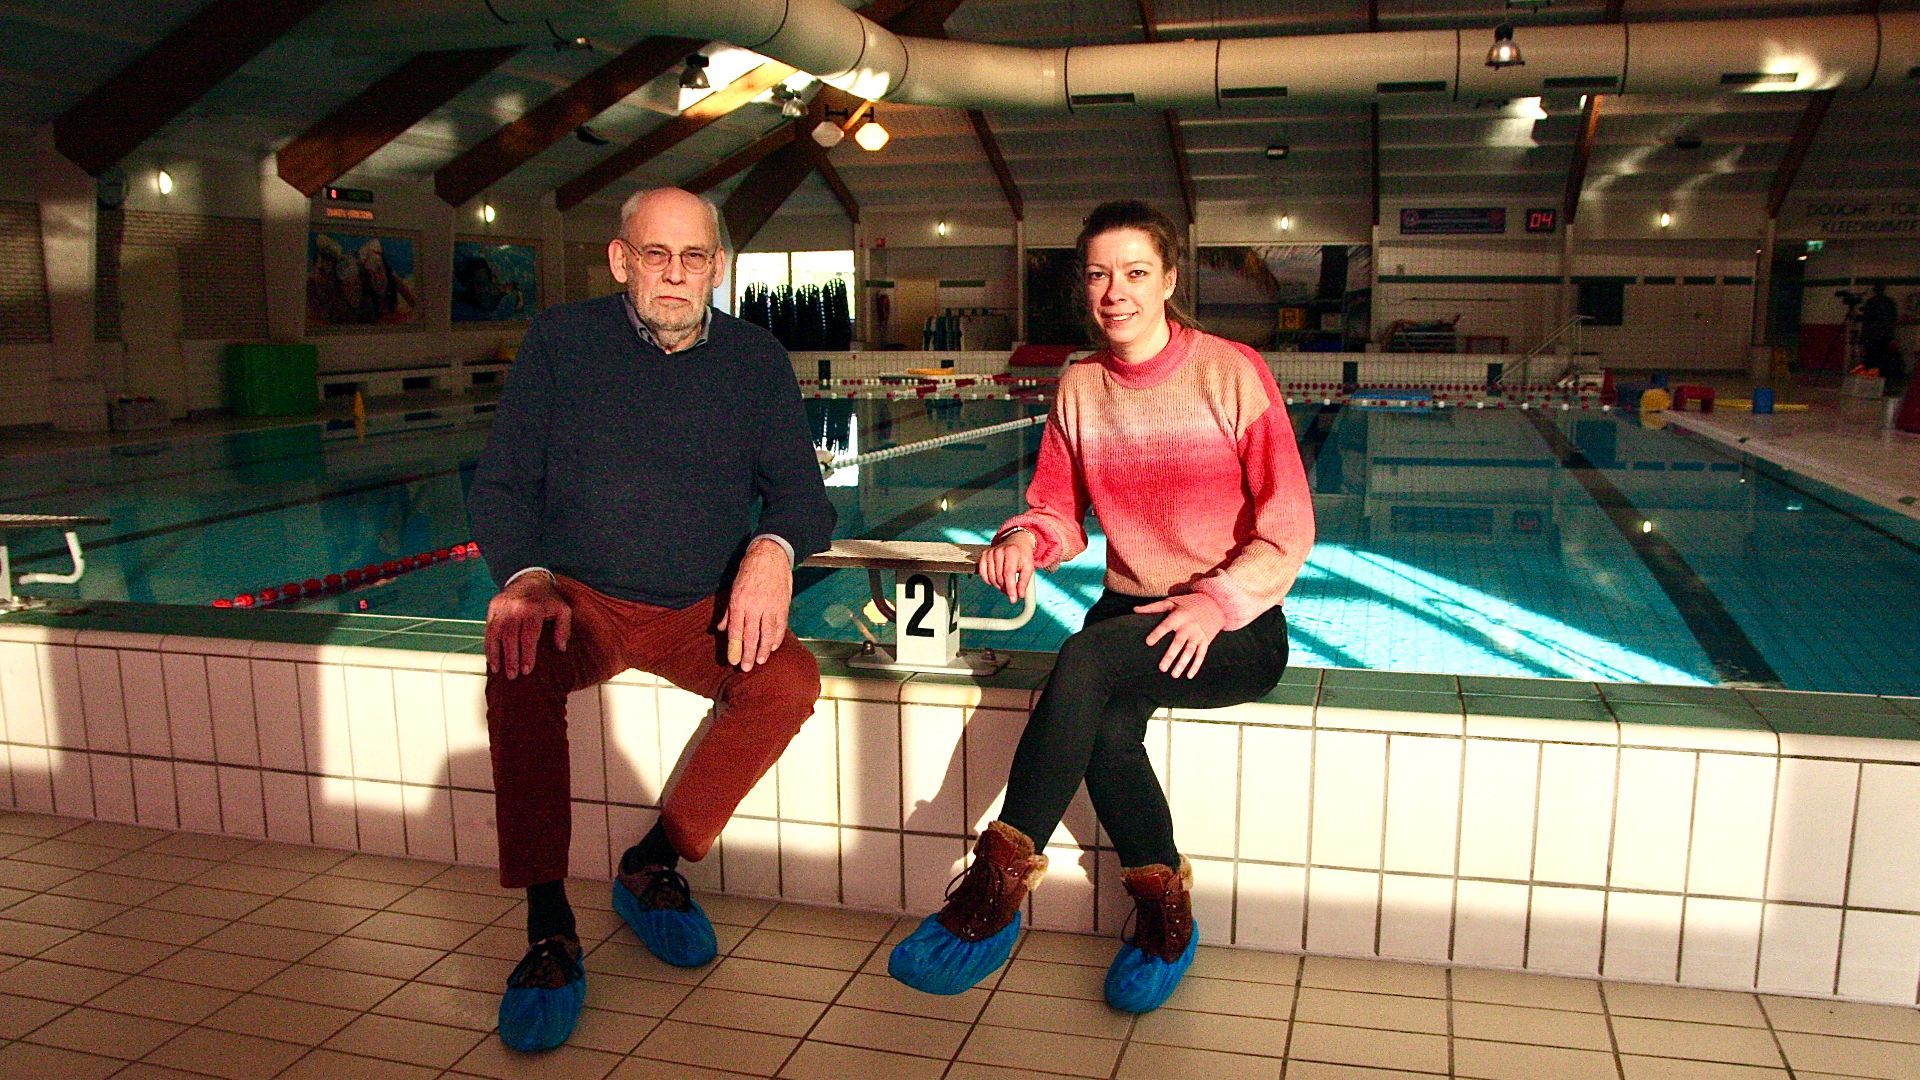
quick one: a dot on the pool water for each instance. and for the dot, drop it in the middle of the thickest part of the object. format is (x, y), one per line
(1570, 544)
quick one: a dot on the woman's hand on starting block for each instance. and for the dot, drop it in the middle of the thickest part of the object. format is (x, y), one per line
(1008, 564)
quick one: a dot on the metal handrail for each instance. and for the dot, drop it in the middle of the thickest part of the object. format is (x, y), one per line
(1521, 367)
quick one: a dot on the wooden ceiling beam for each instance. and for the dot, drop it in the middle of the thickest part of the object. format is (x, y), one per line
(1582, 154)
(991, 147)
(901, 16)
(162, 82)
(380, 113)
(1796, 154)
(836, 185)
(1176, 142)
(555, 118)
(751, 155)
(1373, 158)
(693, 120)
(772, 182)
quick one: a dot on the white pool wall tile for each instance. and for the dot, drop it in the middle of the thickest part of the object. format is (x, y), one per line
(1576, 847)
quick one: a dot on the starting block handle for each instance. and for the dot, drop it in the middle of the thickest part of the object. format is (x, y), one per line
(907, 556)
(79, 566)
(1013, 622)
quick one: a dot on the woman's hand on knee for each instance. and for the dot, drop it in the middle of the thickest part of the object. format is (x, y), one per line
(1008, 565)
(1193, 620)
(515, 618)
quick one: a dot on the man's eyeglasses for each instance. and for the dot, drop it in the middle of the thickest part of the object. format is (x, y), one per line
(692, 260)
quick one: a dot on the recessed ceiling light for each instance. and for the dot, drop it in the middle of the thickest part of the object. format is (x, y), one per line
(1277, 151)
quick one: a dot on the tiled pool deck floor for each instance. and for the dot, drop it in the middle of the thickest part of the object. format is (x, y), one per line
(141, 953)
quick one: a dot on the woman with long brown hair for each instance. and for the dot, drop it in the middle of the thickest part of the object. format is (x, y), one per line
(1179, 441)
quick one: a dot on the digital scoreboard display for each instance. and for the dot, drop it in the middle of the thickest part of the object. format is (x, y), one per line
(1543, 221)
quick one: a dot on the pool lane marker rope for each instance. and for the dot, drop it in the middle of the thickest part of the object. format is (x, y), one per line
(904, 449)
(347, 580)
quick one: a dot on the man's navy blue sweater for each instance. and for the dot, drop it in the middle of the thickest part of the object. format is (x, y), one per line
(635, 471)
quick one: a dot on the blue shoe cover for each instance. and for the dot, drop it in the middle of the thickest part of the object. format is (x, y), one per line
(935, 960)
(1138, 983)
(534, 1018)
(681, 938)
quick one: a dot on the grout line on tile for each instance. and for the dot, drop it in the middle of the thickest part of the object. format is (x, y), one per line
(1293, 1012)
(1846, 873)
(1686, 882)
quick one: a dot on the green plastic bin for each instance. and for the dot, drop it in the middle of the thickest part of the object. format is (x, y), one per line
(273, 380)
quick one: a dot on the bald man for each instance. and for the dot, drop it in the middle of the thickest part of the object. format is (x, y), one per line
(614, 504)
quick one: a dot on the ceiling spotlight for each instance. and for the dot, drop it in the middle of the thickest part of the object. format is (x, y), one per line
(589, 136)
(163, 182)
(1277, 151)
(486, 213)
(870, 135)
(1666, 219)
(694, 76)
(828, 134)
(941, 228)
(1504, 52)
(1286, 222)
(567, 44)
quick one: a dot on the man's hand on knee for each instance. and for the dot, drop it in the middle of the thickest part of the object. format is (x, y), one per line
(515, 618)
(755, 619)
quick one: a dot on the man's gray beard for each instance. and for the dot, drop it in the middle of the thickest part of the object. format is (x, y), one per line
(664, 328)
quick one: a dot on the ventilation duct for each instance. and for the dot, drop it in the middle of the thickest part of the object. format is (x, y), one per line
(1754, 55)
(826, 39)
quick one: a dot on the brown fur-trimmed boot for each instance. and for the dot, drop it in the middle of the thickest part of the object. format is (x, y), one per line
(973, 934)
(1164, 939)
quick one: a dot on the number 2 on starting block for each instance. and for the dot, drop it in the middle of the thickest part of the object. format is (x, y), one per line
(929, 623)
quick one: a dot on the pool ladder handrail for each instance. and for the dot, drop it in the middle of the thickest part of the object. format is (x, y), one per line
(1512, 373)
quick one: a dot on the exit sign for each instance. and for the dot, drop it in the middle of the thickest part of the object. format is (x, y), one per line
(1542, 221)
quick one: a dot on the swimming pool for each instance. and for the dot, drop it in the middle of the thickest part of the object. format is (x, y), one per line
(1568, 544)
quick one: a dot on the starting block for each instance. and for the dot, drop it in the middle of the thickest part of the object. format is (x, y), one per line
(923, 607)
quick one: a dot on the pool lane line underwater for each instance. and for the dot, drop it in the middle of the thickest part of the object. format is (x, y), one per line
(119, 450)
(1734, 656)
(265, 508)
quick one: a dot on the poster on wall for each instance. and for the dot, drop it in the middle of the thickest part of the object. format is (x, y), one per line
(357, 279)
(495, 282)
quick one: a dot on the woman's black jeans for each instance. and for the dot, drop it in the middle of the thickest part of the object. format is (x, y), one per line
(1092, 719)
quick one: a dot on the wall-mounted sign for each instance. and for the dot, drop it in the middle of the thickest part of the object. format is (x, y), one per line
(346, 213)
(1862, 219)
(1453, 220)
(348, 194)
(1543, 221)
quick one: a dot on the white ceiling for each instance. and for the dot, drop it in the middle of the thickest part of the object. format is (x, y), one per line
(50, 57)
